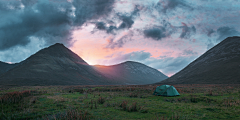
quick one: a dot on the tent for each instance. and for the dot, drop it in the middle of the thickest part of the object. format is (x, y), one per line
(166, 90)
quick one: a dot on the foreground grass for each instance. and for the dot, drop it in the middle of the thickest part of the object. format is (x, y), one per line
(119, 102)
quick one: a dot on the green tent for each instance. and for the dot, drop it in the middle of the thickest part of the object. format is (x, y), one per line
(166, 90)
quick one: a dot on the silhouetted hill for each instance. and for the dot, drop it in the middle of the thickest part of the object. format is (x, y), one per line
(131, 73)
(4, 67)
(57, 65)
(219, 65)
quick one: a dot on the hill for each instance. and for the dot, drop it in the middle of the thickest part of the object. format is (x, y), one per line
(57, 65)
(4, 67)
(219, 65)
(131, 73)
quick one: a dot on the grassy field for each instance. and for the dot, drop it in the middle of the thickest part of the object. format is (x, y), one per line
(119, 102)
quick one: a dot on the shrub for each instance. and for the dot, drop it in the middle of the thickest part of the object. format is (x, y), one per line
(143, 110)
(175, 117)
(71, 114)
(14, 97)
(133, 107)
(124, 105)
(91, 104)
(107, 105)
(80, 90)
(101, 100)
(193, 99)
(133, 95)
(95, 104)
(86, 95)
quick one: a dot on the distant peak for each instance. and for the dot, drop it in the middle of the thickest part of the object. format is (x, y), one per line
(233, 38)
(131, 62)
(58, 44)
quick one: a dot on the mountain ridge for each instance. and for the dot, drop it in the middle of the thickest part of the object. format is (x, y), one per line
(4, 67)
(139, 72)
(58, 65)
(218, 65)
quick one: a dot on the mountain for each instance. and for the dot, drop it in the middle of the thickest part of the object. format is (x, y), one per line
(219, 65)
(57, 65)
(4, 67)
(131, 73)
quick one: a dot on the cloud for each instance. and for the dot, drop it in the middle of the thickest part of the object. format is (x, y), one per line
(44, 22)
(50, 21)
(159, 32)
(93, 9)
(224, 32)
(103, 26)
(209, 45)
(118, 43)
(127, 20)
(169, 5)
(166, 30)
(187, 31)
(28, 3)
(189, 52)
(210, 32)
(19, 53)
(156, 33)
(170, 65)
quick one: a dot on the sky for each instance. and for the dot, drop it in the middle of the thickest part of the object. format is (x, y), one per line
(164, 34)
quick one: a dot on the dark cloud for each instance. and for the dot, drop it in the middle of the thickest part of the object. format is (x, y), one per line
(46, 22)
(127, 20)
(51, 21)
(225, 32)
(159, 32)
(93, 9)
(9, 5)
(187, 31)
(210, 32)
(168, 5)
(118, 43)
(102, 26)
(28, 3)
(156, 33)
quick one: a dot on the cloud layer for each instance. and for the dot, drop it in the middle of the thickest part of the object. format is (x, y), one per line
(51, 21)
(165, 34)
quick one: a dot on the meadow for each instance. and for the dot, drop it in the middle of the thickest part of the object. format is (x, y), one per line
(197, 101)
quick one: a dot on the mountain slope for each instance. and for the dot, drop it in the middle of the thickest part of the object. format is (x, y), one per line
(4, 67)
(131, 73)
(55, 65)
(219, 65)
